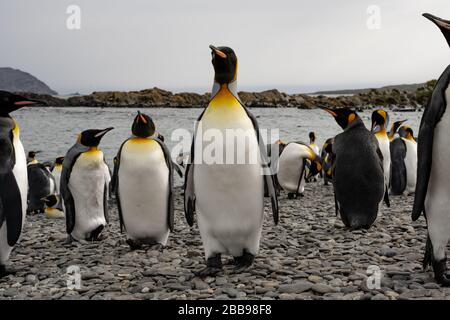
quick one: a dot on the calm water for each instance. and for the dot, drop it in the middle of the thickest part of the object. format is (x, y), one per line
(54, 130)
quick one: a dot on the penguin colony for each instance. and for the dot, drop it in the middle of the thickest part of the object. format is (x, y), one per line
(364, 166)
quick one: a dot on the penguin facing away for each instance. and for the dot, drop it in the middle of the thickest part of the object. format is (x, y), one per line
(398, 167)
(84, 186)
(227, 197)
(432, 188)
(358, 177)
(144, 186)
(13, 177)
(41, 184)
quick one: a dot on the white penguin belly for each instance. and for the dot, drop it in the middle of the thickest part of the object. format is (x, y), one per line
(87, 182)
(57, 175)
(291, 167)
(144, 190)
(411, 166)
(21, 175)
(384, 144)
(230, 197)
(437, 201)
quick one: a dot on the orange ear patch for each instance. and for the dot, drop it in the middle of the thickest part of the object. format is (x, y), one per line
(351, 118)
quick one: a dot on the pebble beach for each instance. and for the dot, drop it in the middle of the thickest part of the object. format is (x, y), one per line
(309, 255)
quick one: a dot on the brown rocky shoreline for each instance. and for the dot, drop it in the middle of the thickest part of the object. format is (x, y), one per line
(155, 97)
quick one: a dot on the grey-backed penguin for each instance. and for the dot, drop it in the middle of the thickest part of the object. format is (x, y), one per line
(13, 177)
(227, 193)
(41, 184)
(392, 134)
(144, 186)
(291, 167)
(380, 119)
(327, 161)
(358, 177)
(433, 176)
(84, 186)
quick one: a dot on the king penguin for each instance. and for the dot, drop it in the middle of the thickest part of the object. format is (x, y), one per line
(56, 172)
(13, 177)
(392, 134)
(407, 135)
(144, 186)
(227, 194)
(433, 177)
(41, 184)
(313, 145)
(358, 177)
(291, 167)
(327, 161)
(380, 120)
(84, 187)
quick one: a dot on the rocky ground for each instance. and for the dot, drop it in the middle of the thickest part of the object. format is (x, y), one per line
(309, 255)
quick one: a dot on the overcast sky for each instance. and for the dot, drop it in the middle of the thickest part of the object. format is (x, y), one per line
(294, 45)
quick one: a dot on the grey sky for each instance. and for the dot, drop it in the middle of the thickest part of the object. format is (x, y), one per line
(297, 46)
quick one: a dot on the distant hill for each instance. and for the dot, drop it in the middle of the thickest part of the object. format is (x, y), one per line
(15, 80)
(401, 87)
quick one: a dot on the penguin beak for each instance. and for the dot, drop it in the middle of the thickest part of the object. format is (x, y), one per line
(24, 103)
(334, 114)
(103, 132)
(444, 25)
(218, 52)
(142, 118)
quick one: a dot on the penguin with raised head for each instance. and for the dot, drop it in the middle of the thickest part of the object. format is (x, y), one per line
(292, 165)
(407, 135)
(380, 120)
(41, 184)
(327, 161)
(392, 134)
(31, 157)
(144, 186)
(358, 177)
(227, 192)
(433, 177)
(84, 187)
(13, 177)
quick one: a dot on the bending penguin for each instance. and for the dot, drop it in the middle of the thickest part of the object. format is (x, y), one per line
(227, 196)
(291, 167)
(358, 177)
(433, 180)
(380, 120)
(327, 161)
(13, 177)
(41, 184)
(84, 187)
(316, 150)
(144, 186)
(404, 162)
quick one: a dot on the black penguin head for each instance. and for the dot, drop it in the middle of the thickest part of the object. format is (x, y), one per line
(92, 137)
(10, 102)
(51, 200)
(59, 160)
(32, 154)
(444, 25)
(395, 127)
(225, 64)
(143, 126)
(343, 116)
(406, 132)
(312, 137)
(380, 119)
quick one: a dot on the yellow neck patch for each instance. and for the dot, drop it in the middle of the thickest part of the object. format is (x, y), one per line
(224, 106)
(16, 130)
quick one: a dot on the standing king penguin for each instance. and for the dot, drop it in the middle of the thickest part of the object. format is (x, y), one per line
(144, 186)
(380, 120)
(227, 197)
(407, 135)
(433, 177)
(358, 177)
(84, 187)
(13, 177)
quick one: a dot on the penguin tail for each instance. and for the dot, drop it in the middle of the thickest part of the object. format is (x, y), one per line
(428, 257)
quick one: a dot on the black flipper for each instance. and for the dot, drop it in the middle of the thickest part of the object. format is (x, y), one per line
(115, 185)
(189, 188)
(177, 169)
(269, 180)
(398, 168)
(11, 207)
(68, 163)
(431, 116)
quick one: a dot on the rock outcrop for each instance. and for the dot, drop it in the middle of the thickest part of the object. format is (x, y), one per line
(18, 81)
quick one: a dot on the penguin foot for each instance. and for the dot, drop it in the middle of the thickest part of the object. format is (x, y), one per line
(68, 240)
(134, 245)
(4, 271)
(244, 262)
(213, 267)
(440, 272)
(95, 235)
(291, 196)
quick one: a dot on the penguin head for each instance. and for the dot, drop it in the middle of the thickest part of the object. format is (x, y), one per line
(32, 154)
(312, 137)
(10, 102)
(343, 116)
(92, 137)
(143, 126)
(380, 120)
(51, 200)
(225, 64)
(444, 25)
(406, 132)
(59, 160)
(395, 127)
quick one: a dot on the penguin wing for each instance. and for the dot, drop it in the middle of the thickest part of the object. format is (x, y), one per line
(106, 191)
(398, 168)
(431, 116)
(169, 162)
(10, 198)
(381, 158)
(189, 188)
(68, 163)
(269, 180)
(115, 185)
(177, 169)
